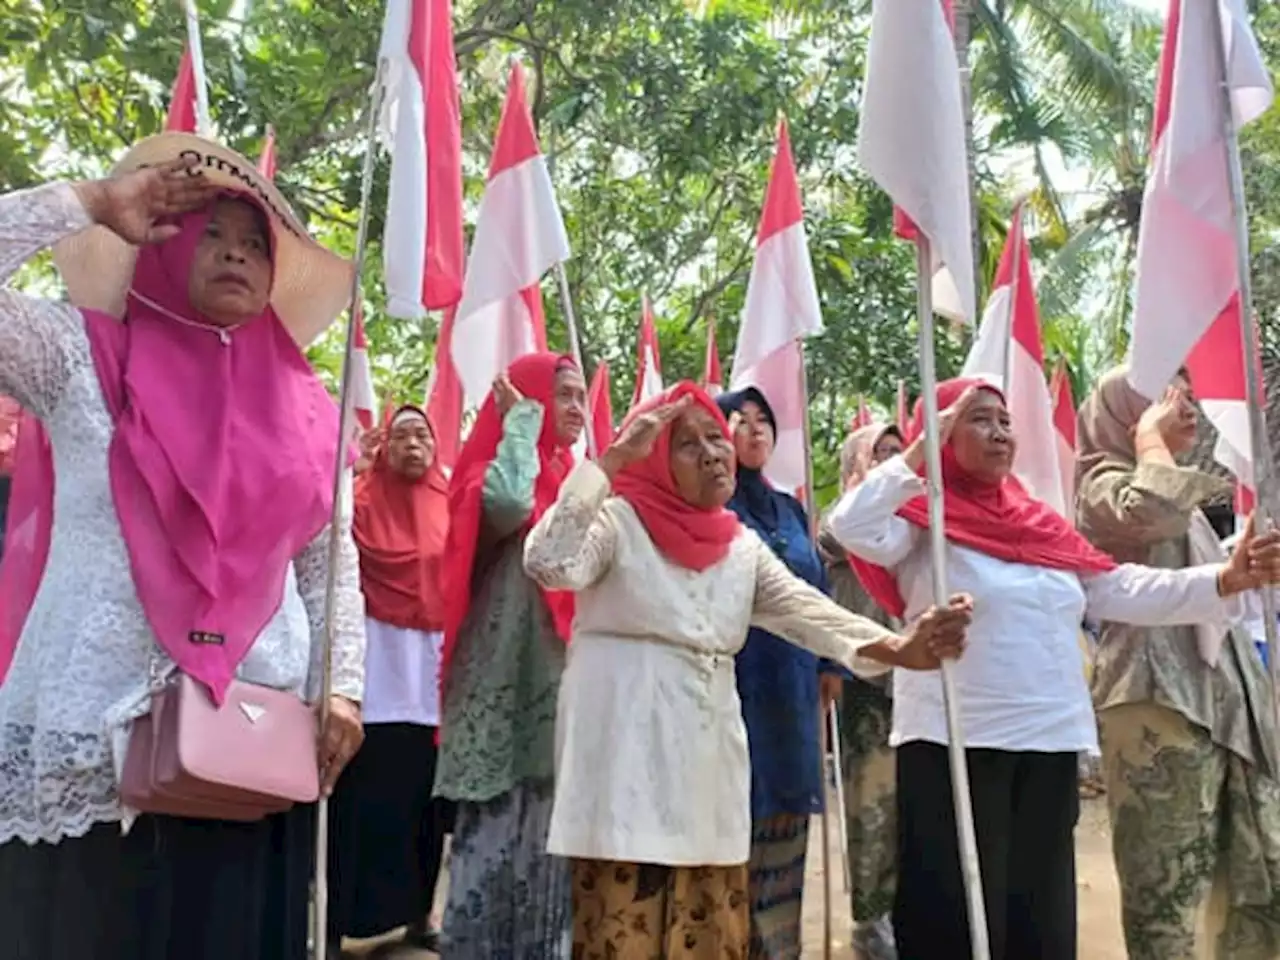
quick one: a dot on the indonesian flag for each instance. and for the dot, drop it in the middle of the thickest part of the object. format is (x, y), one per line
(267, 159)
(363, 400)
(904, 412)
(911, 140)
(421, 124)
(1009, 340)
(781, 308)
(863, 417)
(519, 236)
(444, 397)
(712, 378)
(1064, 424)
(1187, 301)
(182, 99)
(649, 371)
(601, 406)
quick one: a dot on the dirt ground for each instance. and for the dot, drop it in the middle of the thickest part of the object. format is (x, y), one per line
(1099, 902)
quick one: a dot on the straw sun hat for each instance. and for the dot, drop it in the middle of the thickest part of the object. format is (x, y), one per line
(311, 285)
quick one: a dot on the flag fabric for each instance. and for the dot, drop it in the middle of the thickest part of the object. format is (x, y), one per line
(911, 140)
(904, 411)
(649, 364)
(519, 236)
(363, 400)
(444, 397)
(781, 309)
(421, 124)
(182, 98)
(267, 159)
(1187, 297)
(712, 378)
(1008, 353)
(601, 406)
(863, 417)
(1064, 423)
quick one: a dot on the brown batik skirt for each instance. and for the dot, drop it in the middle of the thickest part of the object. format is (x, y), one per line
(642, 911)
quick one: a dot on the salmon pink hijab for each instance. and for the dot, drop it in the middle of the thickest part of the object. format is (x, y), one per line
(688, 536)
(220, 462)
(534, 377)
(400, 526)
(1001, 520)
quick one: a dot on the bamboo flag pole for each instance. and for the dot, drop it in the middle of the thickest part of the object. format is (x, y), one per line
(961, 797)
(204, 125)
(1262, 463)
(320, 881)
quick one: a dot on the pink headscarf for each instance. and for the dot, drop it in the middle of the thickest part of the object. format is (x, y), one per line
(221, 463)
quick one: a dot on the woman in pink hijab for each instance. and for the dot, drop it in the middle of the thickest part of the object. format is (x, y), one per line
(194, 453)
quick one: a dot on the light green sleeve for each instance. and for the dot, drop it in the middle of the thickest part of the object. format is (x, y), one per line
(508, 483)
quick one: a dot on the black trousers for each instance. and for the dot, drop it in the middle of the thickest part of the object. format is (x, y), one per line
(1025, 807)
(172, 889)
(387, 833)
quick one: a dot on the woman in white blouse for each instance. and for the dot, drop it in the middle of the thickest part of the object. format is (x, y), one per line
(1024, 704)
(652, 796)
(194, 451)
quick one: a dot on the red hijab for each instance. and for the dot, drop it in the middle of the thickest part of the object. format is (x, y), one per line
(688, 536)
(400, 526)
(1001, 520)
(534, 376)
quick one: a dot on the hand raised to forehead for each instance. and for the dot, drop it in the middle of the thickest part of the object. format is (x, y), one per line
(638, 437)
(132, 204)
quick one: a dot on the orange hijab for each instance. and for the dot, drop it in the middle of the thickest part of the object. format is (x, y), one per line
(400, 526)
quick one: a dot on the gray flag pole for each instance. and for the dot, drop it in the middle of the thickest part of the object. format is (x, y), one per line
(320, 880)
(961, 796)
(1263, 464)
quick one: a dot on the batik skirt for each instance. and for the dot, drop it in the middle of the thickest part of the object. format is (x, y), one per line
(643, 911)
(778, 848)
(508, 898)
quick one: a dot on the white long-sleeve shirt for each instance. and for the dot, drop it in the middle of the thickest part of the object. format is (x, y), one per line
(1021, 682)
(82, 668)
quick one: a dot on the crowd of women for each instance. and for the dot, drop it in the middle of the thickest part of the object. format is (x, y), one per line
(603, 679)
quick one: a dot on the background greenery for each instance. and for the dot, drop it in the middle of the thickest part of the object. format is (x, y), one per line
(660, 116)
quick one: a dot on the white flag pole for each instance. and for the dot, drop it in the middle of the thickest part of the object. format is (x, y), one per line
(837, 768)
(204, 126)
(320, 881)
(1262, 463)
(961, 797)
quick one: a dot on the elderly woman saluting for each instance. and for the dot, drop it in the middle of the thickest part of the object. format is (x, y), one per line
(194, 450)
(653, 786)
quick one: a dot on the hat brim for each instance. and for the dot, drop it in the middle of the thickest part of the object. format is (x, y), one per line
(311, 285)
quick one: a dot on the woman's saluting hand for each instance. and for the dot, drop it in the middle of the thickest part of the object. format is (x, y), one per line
(133, 204)
(638, 437)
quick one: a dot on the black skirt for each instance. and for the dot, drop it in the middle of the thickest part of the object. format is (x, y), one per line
(387, 833)
(172, 889)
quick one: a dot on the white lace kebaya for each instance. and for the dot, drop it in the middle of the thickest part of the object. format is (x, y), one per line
(83, 666)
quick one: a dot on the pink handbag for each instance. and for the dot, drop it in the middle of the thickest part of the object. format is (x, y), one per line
(253, 757)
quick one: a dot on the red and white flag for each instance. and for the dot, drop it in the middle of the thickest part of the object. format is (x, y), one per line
(782, 307)
(1187, 299)
(911, 139)
(1064, 423)
(267, 159)
(904, 411)
(444, 397)
(363, 400)
(712, 378)
(519, 236)
(863, 417)
(182, 98)
(1008, 344)
(421, 125)
(601, 408)
(649, 369)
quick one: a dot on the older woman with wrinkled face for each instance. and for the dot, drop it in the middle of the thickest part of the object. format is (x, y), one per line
(187, 533)
(1025, 709)
(653, 782)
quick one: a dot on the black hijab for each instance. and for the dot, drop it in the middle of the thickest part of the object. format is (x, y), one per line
(753, 491)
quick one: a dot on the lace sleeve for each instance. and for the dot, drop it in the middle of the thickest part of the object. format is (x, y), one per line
(573, 543)
(41, 341)
(787, 606)
(349, 638)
